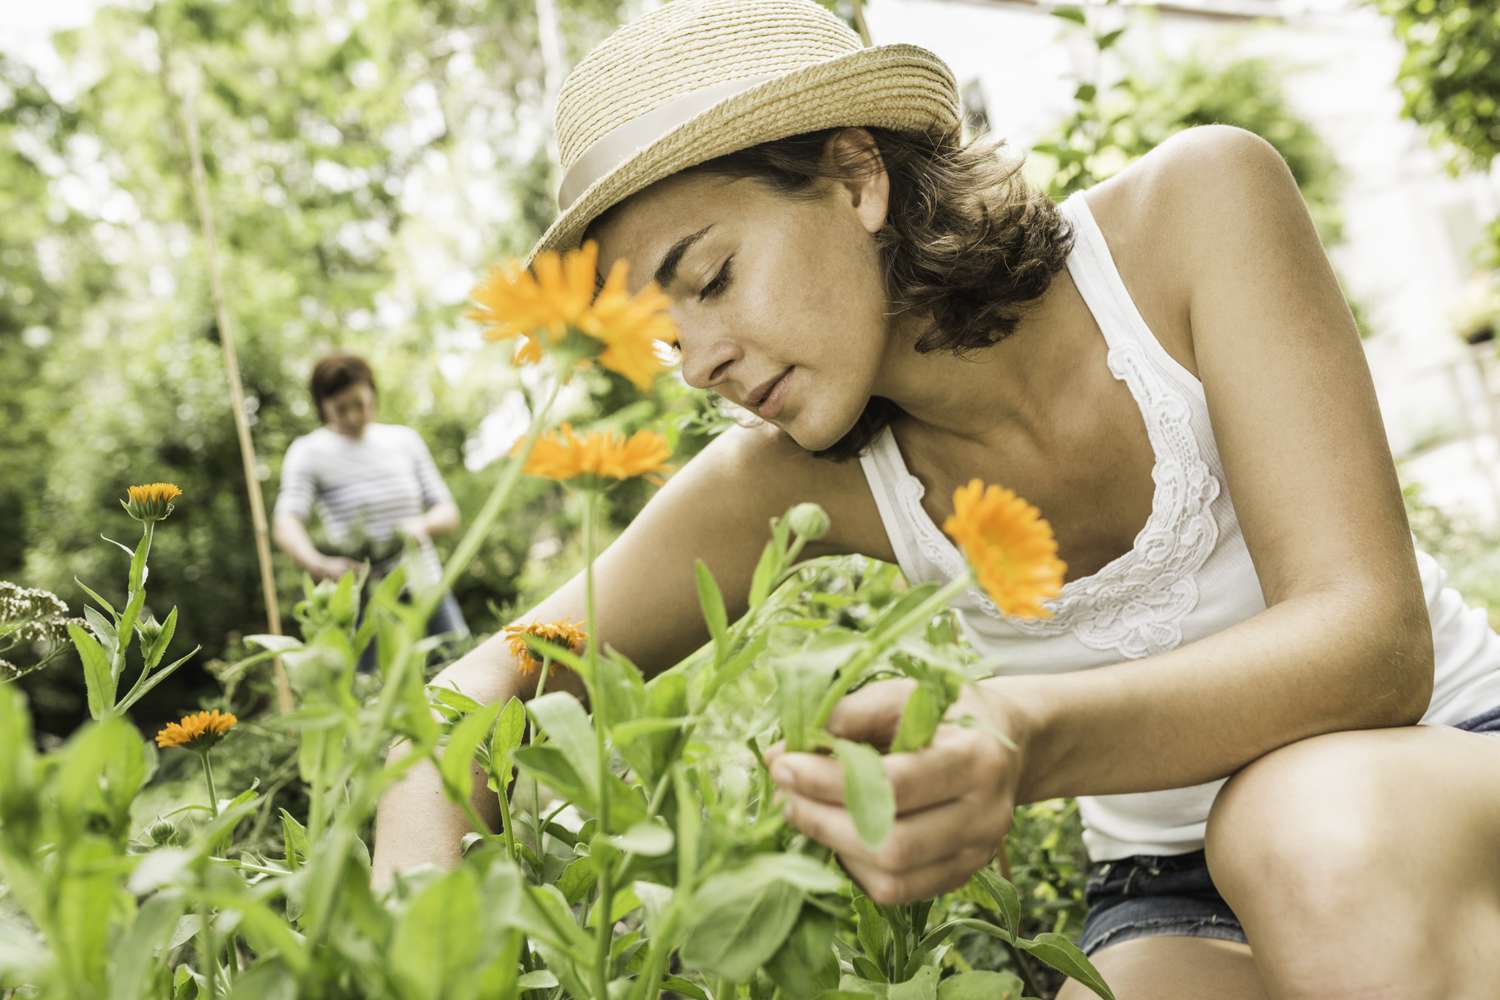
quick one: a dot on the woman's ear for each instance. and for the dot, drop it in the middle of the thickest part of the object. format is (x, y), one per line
(855, 160)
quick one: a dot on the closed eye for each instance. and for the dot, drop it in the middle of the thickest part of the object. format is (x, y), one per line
(716, 286)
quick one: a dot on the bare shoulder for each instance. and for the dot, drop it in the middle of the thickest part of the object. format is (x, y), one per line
(763, 465)
(1168, 213)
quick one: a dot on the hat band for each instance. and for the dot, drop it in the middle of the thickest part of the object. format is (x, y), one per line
(621, 142)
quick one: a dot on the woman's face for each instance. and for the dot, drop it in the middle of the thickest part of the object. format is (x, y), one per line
(348, 411)
(762, 283)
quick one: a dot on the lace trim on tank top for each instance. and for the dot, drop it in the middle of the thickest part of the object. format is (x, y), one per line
(1134, 604)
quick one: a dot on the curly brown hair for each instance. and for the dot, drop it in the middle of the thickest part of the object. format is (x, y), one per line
(966, 240)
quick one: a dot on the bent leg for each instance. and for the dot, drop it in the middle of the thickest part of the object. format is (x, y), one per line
(1173, 967)
(1363, 864)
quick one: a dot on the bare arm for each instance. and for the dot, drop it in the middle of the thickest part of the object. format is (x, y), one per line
(439, 519)
(716, 508)
(1344, 642)
(291, 536)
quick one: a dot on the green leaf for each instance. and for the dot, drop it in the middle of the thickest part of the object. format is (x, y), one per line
(766, 571)
(144, 683)
(806, 960)
(712, 603)
(18, 764)
(458, 757)
(128, 619)
(872, 930)
(550, 766)
(266, 980)
(1074, 14)
(1065, 956)
(687, 988)
(436, 940)
(859, 986)
(96, 678)
(103, 767)
(274, 643)
(1085, 92)
(650, 839)
(510, 730)
(577, 879)
(980, 986)
(901, 607)
(567, 725)
(1108, 39)
(1007, 900)
(867, 791)
(734, 933)
(99, 600)
(803, 672)
(920, 717)
(922, 986)
(293, 840)
(133, 961)
(540, 979)
(163, 640)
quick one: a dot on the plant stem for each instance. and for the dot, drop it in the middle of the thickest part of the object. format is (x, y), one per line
(208, 948)
(479, 530)
(597, 696)
(536, 794)
(881, 640)
(208, 776)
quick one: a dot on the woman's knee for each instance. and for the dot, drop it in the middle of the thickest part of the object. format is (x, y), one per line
(1304, 817)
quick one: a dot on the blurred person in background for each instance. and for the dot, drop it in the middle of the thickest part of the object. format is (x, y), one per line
(375, 488)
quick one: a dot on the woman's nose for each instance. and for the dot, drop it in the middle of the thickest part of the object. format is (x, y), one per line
(705, 368)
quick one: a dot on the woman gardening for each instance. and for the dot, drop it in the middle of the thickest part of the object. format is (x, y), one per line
(1270, 707)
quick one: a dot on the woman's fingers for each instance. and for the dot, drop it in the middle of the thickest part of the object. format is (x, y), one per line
(959, 762)
(872, 714)
(916, 840)
(889, 888)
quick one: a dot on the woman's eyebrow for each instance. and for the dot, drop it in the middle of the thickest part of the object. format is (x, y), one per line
(666, 271)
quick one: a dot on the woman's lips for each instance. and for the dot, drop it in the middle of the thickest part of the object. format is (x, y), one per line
(777, 396)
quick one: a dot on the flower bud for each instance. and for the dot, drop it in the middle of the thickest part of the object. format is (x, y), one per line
(148, 628)
(162, 832)
(152, 502)
(809, 521)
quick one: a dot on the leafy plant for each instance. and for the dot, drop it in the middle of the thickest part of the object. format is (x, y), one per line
(664, 865)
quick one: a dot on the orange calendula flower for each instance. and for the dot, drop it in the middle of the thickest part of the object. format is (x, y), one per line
(1010, 545)
(597, 455)
(198, 731)
(552, 296)
(569, 634)
(152, 502)
(630, 325)
(541, 305)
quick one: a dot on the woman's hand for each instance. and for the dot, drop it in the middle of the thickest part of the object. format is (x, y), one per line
(334, 567)
(954, 799)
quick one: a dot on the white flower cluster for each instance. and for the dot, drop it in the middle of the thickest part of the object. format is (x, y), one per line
(31, 619)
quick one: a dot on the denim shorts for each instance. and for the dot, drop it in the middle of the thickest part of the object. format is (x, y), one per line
(1147, 894)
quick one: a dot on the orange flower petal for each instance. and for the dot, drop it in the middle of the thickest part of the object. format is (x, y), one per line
(1010, 545)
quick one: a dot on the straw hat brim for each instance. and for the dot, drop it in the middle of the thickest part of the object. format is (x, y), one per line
(901, 87)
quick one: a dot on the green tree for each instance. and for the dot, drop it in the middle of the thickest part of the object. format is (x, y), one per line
(364, 170)
(1450, 81)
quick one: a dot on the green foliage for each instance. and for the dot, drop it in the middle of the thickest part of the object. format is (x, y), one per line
(343, 156)
(1450, 80)
(1125, 113)
(687, 855)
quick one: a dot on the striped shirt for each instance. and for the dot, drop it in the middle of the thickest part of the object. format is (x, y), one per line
(362, 489)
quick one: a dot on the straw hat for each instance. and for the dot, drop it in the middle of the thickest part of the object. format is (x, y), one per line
(696, 79)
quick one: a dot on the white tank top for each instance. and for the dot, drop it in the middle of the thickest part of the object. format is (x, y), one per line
(1187, 576)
